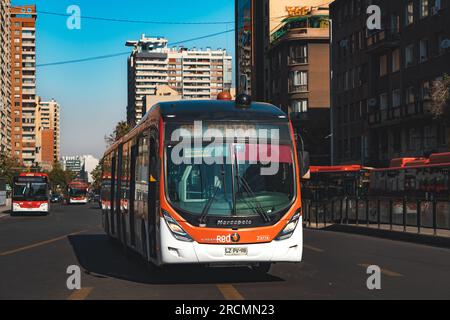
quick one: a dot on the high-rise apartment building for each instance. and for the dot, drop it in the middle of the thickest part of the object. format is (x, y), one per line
(299, 72)
(382, 79)
(283, 58)
(5, 77)
(193, 73)
(25, 145)
(81, 165)
(256, 22)
(48, 123)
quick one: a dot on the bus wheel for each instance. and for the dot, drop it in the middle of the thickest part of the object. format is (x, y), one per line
(262, 268)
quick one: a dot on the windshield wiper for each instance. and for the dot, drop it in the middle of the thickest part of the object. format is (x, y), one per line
(254, 201)
(208, 205)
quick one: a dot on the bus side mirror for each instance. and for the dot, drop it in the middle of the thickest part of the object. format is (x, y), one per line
(304, 162)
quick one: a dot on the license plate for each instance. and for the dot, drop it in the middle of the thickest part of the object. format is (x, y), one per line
(236, 252)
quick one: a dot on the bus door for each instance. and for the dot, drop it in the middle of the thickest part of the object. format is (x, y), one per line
(132, 194)
(118, 194)
(113, 195)
(153, 191)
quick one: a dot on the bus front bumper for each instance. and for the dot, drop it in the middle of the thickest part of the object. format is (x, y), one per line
(43, 208)
(174, 251)
(72, 201)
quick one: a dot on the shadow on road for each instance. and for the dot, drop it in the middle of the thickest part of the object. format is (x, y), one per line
(100, 257)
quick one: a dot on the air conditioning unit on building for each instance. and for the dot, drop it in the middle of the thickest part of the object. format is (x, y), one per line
(445, 44)
(372, 102)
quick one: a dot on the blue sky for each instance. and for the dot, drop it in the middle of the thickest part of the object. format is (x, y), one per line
(93, 95)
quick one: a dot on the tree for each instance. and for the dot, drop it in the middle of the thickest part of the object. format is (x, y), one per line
(97, 176)
(9, 167)
(122, 128)
(59, 178)
(440, 101)
(440, 97)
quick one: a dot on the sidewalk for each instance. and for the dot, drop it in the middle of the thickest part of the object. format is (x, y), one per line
(6, 208)
(426, 235)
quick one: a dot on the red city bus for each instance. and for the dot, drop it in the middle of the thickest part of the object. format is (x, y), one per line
(197, 211)
(327, 182)
(415, 178)
(77, 192)
(31, 193)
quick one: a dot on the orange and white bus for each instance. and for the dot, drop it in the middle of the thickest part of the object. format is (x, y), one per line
(77, 192)
(177, 198)
(31, 193)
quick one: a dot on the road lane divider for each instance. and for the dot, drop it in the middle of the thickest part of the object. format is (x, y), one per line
(385, 272)
(81, 294)
(312, 248)
(230, 292)
(39, 244)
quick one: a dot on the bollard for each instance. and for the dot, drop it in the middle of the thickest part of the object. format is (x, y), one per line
(391, 205)
(404, 214)
(367, 212)
(434, 216)
(346, 210)
(419, 216)
(357, 211)
(379, 213)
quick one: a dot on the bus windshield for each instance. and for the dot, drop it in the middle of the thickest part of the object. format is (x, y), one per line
(73, 192)
(30, 191)
(230, 178)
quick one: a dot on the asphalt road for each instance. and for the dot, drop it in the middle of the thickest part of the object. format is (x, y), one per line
(36, 251)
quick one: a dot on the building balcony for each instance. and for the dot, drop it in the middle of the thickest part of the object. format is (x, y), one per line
(303, 88)
(399, 114)
(382, 40)
(299, 27)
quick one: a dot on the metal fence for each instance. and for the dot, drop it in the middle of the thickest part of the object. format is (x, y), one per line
(418, 213)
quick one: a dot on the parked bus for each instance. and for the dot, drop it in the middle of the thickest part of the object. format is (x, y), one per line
(413, 178)
(174, 199)
(77, 192)
(31, 193)
(327, 182)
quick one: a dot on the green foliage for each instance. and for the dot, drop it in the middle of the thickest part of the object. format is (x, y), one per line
(9, 167)
(97, 176)
(122, 128)
(59, 178)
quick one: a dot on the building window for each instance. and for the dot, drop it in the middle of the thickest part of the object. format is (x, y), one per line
(425, 90)
(396, 60)
(298, 54)
(409, 56)
(299, 106)
(383, 65)
(410, 96)
(428, 137)
(424, 6)
(409, 13)
(395, 23)
(396, 98)
(423, 50)
(298, 81)
(383, 101)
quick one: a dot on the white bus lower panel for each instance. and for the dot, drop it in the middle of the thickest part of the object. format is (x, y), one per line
(174, 251)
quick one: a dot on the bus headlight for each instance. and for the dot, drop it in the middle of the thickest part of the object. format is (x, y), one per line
(176, 229)
(288, 231)
(16, 206)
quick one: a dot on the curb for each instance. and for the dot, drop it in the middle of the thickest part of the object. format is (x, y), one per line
(424, 239)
